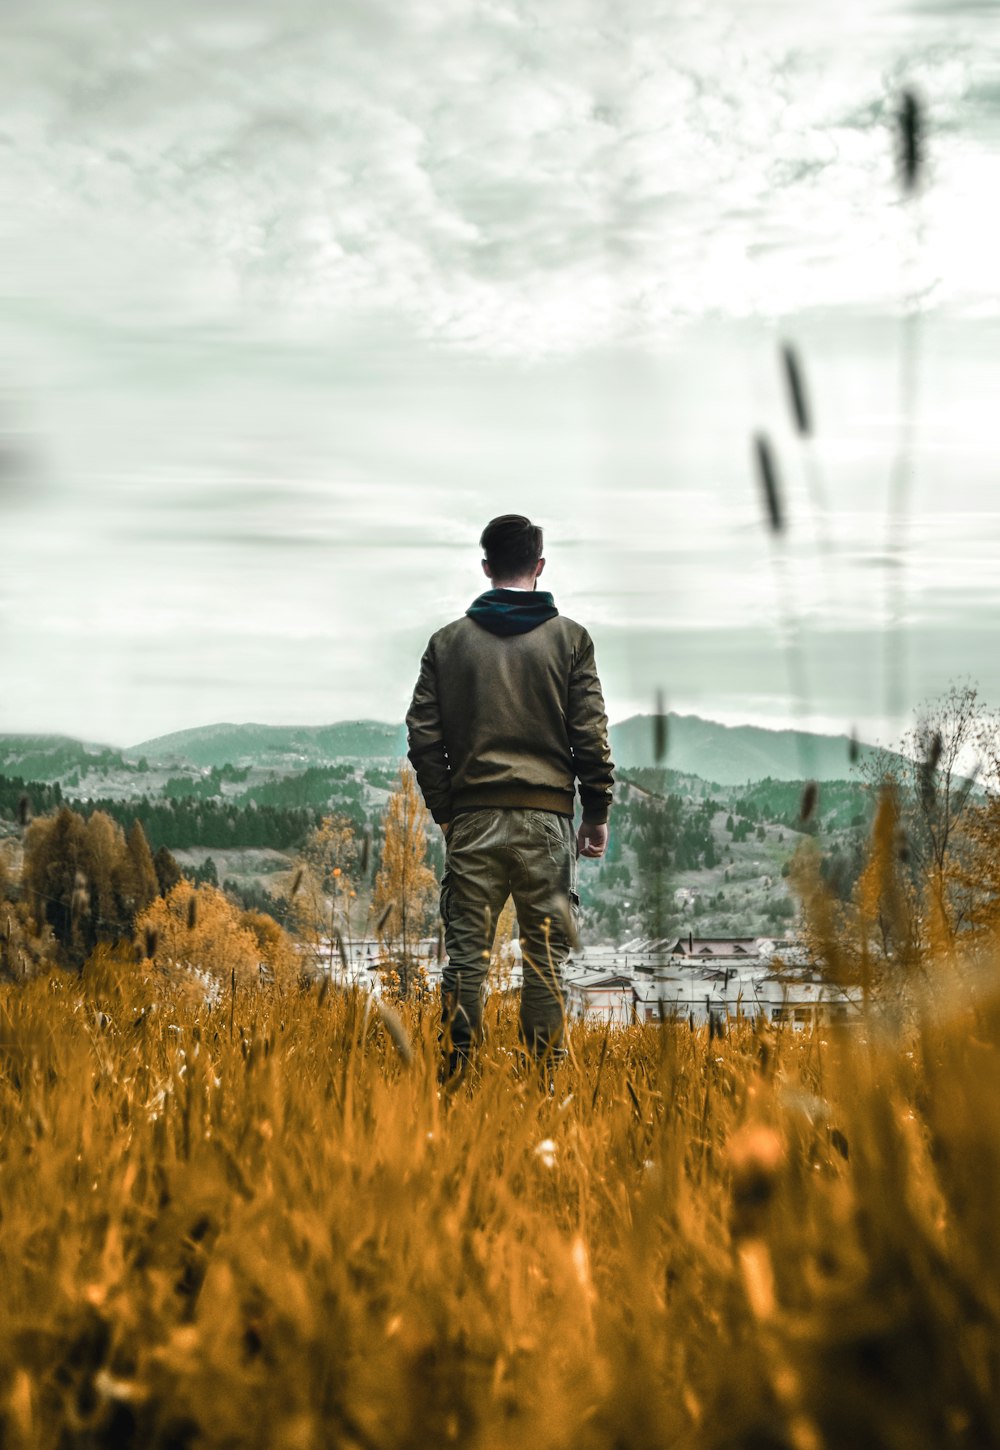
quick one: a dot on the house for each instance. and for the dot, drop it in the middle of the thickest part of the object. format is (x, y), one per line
(717, 946)
(644, 954)
(718, 979)
(600, 996)
(686, 896)
(717, 996)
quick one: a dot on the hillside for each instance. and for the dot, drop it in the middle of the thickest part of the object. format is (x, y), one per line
(716, 753)
(295, 746)
(734, 754)
(49, 757)
(721, 755)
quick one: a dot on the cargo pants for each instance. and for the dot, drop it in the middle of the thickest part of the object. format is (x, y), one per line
(491, 854)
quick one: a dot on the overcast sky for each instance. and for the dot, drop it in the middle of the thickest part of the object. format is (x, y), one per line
(294, 299)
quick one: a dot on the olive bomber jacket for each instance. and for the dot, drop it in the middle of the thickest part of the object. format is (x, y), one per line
(508, 711)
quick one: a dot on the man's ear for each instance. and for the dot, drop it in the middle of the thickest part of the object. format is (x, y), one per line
(541, 566)
(486, 568)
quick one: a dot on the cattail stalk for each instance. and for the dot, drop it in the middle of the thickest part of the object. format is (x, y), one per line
(910, 155)
(393, 1024)
(804, 424)
(767, 474)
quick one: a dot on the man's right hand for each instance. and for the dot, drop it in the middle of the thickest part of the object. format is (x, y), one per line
(592, 839)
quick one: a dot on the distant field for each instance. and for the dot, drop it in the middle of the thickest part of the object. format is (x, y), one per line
(259, 1226)
(256, 864)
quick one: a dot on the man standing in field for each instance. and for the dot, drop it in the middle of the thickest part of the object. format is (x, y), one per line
(506, 716)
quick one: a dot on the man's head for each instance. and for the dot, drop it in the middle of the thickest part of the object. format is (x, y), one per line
(513, 548)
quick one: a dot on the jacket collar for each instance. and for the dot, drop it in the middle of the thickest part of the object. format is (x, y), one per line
(512, 611)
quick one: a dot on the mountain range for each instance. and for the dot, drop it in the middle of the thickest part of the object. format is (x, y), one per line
(729, 755)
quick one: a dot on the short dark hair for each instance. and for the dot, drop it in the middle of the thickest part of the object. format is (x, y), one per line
(512, 545)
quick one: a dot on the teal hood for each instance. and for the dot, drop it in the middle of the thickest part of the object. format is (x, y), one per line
(512, 611)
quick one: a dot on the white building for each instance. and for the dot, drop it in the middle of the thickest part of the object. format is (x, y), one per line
(600, 996)
(698, 981)
(685, 979)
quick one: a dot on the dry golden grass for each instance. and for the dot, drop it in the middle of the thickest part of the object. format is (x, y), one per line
(254, 1225)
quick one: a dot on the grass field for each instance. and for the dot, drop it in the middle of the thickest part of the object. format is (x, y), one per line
(259, 1225)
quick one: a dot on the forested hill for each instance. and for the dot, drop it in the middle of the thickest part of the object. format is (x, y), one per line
(269, 744)
(47, 757)
(735, 754)
(722, 755)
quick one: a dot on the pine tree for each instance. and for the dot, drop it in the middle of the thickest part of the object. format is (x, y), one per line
(207, 873)
(168, 873)
(135, 880)
(56, 858)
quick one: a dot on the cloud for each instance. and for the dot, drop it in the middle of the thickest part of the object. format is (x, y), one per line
(506, 179)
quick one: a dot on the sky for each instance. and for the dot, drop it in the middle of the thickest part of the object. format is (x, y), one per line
(294, 299)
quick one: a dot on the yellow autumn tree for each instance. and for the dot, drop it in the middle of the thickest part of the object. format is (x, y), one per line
(10, 871)
(977, 876)
(873, 942)
(275, 947)
(310, 913)
(106, 852)
(405, 887)
(198, 927)
(26, 946)
(886, 896)
(323, 899)
(331, 852)
(932, 797)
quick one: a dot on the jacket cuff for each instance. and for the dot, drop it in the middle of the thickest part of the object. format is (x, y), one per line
(596, 817)
(441, 816)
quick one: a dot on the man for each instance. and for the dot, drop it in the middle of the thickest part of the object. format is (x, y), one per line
(507, 714)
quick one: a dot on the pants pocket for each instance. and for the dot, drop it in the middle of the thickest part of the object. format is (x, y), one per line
(550, 826)
(444, 895)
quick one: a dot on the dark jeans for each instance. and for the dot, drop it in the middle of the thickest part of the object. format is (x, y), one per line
(492, 854)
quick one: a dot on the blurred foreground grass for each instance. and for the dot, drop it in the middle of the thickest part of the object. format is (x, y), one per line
(254, 1225)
